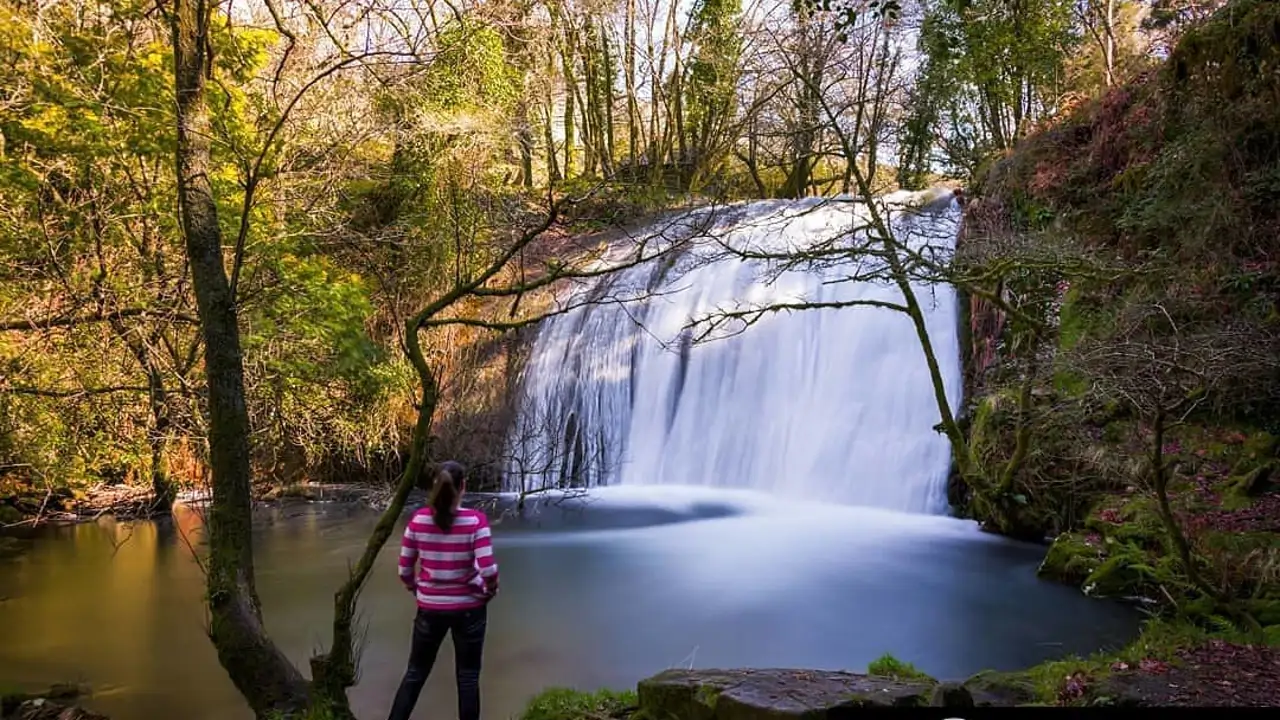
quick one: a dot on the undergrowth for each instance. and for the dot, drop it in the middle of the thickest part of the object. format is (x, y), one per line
(891, 667)
(560, 703)
(1081, 680)
(1167, 185)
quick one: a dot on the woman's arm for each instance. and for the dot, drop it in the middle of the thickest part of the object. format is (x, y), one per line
(482, 548)
(409, 556)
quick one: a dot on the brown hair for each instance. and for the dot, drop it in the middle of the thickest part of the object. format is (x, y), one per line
(450, 481)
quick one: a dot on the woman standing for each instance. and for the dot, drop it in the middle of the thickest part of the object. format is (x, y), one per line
(457, 579)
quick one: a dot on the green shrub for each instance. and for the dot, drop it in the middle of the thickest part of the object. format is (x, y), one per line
(567, 704)
(891, 667)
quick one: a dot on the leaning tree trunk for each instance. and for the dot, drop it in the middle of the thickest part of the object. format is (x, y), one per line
(259, 670)
(335, 670)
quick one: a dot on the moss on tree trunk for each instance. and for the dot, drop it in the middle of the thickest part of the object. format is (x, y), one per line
(259, 670)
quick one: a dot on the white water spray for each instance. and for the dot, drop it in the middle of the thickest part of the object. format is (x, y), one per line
(832, 405)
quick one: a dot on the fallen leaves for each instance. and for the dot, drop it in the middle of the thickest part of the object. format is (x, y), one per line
(1074, 688)
(1155, 667)
(1223, 673)
(1263, 515)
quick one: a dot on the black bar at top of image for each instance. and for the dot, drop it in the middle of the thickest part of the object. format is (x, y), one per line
(1051, 713)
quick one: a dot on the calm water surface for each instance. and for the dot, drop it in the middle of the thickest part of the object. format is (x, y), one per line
(596, 596)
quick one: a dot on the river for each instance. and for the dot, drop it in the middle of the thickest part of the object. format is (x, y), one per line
(595, 595)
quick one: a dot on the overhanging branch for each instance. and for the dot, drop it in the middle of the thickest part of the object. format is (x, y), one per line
(94, 317)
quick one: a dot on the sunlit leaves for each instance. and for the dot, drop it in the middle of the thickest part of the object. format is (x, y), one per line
(850, 13)
(470, 70)
(87, 220)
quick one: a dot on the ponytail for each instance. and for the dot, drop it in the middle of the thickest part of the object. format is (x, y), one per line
(445, 492)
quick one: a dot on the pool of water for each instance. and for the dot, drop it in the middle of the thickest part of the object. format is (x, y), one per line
(597, 593)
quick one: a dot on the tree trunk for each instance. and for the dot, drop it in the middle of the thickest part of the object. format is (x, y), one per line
(633, 109)
(157, 439)
(335, 671)
(570, 97)
(1022, 435)
(591, 100)
(259, 670)
(606, 95)
(960, 450)
(1109, 46)
(524, 123)
(1160, 484)
(553, 163)
(569, 111)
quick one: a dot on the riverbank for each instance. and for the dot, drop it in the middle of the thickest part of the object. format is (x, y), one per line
(56, 703)
(1134, 417)
(125, 502)
(1169, 666)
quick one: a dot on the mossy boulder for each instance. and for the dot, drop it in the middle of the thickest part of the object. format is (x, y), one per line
(1253, 481)
(951, 695)
(1116, 577)
(774, 694)
(10, 515)
(1255, 471)
(1071, 559)
(997, 689)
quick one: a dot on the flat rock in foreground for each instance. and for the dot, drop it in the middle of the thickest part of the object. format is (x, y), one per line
(773, 694)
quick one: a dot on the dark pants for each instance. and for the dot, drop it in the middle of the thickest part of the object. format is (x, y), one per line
(429, 629)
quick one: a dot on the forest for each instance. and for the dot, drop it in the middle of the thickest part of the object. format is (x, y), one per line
(251, 246)
(365, 155)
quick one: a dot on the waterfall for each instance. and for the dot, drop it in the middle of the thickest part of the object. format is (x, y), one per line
(834, 405)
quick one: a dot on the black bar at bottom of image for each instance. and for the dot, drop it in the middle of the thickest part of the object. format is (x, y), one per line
(1051, 713)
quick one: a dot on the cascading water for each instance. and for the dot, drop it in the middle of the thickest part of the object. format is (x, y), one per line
(833, 404)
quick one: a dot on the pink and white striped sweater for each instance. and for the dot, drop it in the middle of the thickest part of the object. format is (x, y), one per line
(458, 570)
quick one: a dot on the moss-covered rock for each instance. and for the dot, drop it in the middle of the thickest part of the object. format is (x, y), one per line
(1071, 559)
(1260, 447)
(1253, 481)
(9, 514)
(1254, 469)
(772, 694)
(997, 689)
(1115, 577)
(951, 695)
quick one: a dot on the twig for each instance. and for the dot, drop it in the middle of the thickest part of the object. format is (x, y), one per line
(191, 548)
(40, 513)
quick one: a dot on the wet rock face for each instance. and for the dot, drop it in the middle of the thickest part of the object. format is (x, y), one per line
(782, 694)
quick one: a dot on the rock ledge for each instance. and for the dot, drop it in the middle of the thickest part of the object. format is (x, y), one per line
(776, 694)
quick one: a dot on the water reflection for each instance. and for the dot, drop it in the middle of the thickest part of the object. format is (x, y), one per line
(119, 606)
